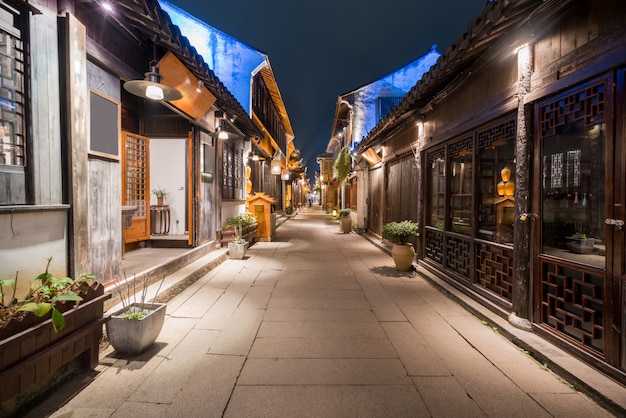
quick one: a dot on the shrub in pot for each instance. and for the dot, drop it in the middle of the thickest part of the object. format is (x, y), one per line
(346, 220)
(238, 246)
(401, 233)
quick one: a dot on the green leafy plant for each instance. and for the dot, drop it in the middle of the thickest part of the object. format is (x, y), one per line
(579, 235)
(45, 291)
(400, 232)
(160, 192)
(238, 223)
(343, 165)
(344, 212)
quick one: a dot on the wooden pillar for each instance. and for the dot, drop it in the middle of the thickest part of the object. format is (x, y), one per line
(74, 52)
(520, 316)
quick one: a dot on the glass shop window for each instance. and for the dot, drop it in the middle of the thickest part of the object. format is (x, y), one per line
(496, 179)
(461, 190)
(437, 189)
(12, 136)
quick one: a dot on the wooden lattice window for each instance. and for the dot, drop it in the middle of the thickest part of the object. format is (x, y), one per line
(136, 190)
(13, 140)
(232, 172)
(583, 106)
(572, 303)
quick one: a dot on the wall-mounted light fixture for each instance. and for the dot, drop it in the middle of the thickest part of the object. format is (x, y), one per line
(151, 86)
(276, 163)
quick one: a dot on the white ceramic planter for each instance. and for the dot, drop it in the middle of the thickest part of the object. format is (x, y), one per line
(133, 336)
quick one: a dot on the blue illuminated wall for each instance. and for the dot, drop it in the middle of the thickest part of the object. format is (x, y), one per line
(372, 101)
(232, 61)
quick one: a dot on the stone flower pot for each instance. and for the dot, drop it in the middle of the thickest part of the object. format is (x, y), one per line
(133, 336)
(237, 251)
(346, 224)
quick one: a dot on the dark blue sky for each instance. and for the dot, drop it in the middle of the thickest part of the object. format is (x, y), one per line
(320, 49)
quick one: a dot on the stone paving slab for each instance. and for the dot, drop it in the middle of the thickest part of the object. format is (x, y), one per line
(315, 347)
(310, 371)
(294, 329)
(326, 401)
(319, 324)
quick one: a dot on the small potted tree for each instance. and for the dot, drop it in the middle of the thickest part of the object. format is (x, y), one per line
(346, 220)
(401, 233)
(238, 246)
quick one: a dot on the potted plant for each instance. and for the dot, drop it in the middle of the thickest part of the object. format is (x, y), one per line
(401, 233)
(238, 246)
(346, 220)
(57, 325)
(160, 194)
(580, 244)
(136, 326)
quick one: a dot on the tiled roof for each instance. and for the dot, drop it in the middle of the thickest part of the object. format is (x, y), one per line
(495, 21)
(146, 18)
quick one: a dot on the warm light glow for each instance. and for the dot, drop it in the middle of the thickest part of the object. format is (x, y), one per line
(275, 167)
(284, 175)
(154, 92)
(255, 157)
(222, 135)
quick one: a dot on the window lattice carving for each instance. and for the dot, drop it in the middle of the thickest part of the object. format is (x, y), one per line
(136, 174)
(494, 269)
(504, 131)
(586, 105)
(572, 303)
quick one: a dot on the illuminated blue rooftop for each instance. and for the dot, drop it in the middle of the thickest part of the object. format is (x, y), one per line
(232, 61)
(373, 101)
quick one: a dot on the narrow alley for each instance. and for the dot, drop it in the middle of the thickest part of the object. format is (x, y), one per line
(319, 324)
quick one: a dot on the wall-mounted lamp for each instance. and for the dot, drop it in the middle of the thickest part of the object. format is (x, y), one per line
(222, 134)
(151, 86)
(284, 174)
(276, 163)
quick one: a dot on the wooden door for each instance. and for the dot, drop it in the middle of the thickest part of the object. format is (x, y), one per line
(580, 179)
(136, 184)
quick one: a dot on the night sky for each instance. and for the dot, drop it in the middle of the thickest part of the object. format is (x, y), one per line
(323, 48)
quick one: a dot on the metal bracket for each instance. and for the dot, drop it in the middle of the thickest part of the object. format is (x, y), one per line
(617, 223)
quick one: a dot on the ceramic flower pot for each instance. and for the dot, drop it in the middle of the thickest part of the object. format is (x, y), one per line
(403, 255)
(346, 224)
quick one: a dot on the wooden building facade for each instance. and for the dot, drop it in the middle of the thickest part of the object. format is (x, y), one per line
(511, 153)
(76, 149)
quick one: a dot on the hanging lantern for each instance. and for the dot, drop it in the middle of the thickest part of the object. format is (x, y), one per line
(248, 186)
(509, 188)
(275, 167)
(506, 174)
(248, 171)
(284, 174)
(500, 188)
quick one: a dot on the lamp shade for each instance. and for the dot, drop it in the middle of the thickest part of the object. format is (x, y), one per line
(152, 88)
(284, 174)
(275, 167)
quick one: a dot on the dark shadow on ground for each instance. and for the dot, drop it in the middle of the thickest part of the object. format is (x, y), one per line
(389, 271)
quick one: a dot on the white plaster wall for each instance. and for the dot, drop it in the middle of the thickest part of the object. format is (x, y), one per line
(168, 170)
(27, 240)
